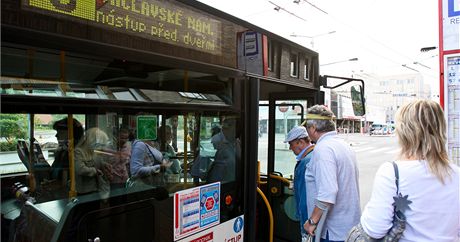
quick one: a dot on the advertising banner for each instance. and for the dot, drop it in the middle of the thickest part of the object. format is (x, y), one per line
(196, 209)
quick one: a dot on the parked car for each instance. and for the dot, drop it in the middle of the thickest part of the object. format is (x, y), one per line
(381, 129)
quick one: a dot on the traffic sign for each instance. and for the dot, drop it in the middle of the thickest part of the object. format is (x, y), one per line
(283, 109)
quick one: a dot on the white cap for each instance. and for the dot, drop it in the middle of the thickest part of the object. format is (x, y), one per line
(298, 132)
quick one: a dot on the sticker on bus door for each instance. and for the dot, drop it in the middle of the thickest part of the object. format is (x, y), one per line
(196, 209)
(230, 231)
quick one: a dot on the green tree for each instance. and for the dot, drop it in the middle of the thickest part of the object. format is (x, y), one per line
(13, 126)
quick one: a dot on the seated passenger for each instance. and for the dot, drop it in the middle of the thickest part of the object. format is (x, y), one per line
(60, 166)
(92, 170)
(228, 150)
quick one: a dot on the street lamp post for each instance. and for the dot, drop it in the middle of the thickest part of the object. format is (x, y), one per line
(312, 37)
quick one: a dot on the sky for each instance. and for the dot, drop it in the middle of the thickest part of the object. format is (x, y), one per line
(383, 34)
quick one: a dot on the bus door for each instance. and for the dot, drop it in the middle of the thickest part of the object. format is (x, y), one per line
(277, 162)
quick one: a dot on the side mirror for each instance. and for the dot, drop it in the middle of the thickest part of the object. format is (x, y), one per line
(356, 92)
(357, 100)
(323, 81)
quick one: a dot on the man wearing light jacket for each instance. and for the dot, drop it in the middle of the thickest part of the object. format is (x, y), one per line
(332, 179)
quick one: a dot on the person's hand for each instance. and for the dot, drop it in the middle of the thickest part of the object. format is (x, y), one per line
(309, 228)
(166, 163)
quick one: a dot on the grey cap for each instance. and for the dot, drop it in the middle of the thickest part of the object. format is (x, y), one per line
(298, 132)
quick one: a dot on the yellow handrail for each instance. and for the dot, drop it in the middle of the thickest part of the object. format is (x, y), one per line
(284, 180)
(185, 147)
(32, 181)
(270, 213)
(276, 177)
(72, 191)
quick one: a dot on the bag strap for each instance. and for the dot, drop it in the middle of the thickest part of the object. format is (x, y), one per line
(155, 161)
(395, 166)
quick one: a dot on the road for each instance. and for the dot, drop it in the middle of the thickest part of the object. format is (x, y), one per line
(371, 152)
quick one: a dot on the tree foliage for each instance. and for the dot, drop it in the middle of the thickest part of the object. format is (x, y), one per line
(13, 126)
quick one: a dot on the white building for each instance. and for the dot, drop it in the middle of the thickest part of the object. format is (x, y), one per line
(394, 91)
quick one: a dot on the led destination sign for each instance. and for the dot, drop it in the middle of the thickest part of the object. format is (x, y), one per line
(166, 21)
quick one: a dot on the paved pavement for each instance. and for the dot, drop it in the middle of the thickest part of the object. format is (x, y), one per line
(371, 152)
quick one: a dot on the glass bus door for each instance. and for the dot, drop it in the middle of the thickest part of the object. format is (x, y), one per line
(277, 163)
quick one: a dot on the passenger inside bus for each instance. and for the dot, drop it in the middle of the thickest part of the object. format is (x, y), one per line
(228, 149)
(174, 122)
(215, 129)
(60, 166)
(120, 160)
(92, 167)
(147, 164)
(165, 132)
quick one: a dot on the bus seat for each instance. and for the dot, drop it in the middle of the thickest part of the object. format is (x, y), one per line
(23, 152)
(38, 159)
(41, 167)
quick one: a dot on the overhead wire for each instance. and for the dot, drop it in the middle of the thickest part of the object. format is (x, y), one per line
(337, 20)
(313, 5)
(279, 7)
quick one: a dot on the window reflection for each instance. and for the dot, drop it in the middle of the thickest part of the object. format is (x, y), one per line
(190, 150)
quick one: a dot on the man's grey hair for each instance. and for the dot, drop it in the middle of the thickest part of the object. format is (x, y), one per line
(320, 124)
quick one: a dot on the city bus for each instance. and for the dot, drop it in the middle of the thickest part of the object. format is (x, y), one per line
(83, 83)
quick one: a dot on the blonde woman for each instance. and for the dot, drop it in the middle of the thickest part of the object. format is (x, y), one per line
(91, 164)
(426, 176)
